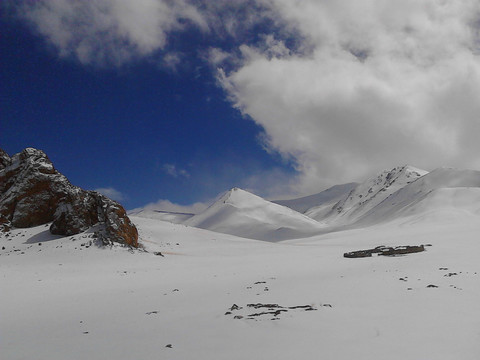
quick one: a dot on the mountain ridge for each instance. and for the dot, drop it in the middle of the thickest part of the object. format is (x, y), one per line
(403, 192)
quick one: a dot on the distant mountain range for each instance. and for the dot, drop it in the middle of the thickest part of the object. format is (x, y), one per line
(404, 192)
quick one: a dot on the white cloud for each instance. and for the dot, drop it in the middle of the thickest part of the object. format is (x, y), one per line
(343, 87)
(172, 170)
(110, 31)
(115, 32)
(172, 60)
(382, 83)
(111, 193)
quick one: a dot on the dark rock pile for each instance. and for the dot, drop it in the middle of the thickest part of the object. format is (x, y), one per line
(33, 192)
(264, 311)
(385, 251)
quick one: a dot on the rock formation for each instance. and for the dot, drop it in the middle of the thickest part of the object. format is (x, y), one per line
(386, 251)
(33, 193)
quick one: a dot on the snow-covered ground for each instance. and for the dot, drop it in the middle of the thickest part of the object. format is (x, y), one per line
(61, 298)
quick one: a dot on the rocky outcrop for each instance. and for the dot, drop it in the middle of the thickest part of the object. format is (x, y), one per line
(33, 192)
(386, 251)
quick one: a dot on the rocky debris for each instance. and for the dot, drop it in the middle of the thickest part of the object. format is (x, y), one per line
(450, 274)
(385, 251)
(401, 250)
(33, 192)
(269, 310)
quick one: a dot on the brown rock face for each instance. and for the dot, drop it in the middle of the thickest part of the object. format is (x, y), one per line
(33, 193)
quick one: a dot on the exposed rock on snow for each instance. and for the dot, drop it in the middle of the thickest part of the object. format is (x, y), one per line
(385, 251)
(33, 193)
(271, 311)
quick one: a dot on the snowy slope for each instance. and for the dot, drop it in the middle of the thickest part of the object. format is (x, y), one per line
(241, 213)
(333, 194)
(173, 217)
(444, 191)
(66, 299)
(365, 196)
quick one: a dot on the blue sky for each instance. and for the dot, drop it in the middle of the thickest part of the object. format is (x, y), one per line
(149, 132)
(173, 102)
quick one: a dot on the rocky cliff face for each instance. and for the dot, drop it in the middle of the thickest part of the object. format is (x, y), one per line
(33, 193)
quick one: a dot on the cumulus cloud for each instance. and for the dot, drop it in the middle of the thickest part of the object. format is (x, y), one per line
(116, 32)
(342, 87)
(382, 83)
(104, 32)
(111, 193)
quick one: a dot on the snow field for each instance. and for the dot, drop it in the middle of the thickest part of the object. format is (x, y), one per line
(67, 303)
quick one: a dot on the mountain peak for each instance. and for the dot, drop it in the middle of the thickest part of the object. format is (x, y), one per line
(240, 198)
(372, 192)
(239, 212)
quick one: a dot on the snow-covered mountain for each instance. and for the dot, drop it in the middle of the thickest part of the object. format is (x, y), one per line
(365, 196)
(404, 191)
(241, 213)
(333, 194)
(442, 192)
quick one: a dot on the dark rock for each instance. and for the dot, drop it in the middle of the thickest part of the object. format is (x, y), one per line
(385, 251)
(358, 254)
(269, 306)
(402, 250)
(274, 313)
(450, 274)
(235, 307)
(5, 160)
(33, 193)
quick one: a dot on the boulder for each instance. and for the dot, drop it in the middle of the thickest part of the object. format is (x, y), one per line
(33, 192)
